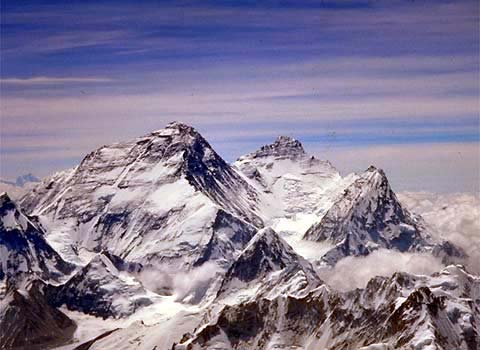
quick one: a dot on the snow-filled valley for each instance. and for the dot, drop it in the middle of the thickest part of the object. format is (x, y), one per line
(158, 243)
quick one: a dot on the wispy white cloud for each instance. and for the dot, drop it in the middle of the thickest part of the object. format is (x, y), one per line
(53, 80)
(251, 108)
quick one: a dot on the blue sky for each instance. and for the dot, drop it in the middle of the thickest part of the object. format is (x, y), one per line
(393, 83)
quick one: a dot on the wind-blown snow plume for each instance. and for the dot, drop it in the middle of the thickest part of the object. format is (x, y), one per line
(187, 286)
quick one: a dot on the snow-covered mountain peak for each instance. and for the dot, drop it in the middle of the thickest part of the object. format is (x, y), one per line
(155, 197)
(178, 125)
(368, 204)
(369, 216)
(179, 145)
(376, 177)
(295, 186)
(178, 134)
(179, 128)
(10, 216)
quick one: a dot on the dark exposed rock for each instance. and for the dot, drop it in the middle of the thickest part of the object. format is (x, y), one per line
(28, 321)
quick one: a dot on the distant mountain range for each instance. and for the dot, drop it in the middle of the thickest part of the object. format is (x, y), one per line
(22, 180)
(160, 229)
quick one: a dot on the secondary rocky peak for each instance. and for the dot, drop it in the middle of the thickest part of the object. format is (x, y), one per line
(283, 147)
(29, 321)
(269, 264)
(368, 216)
(102, 288)
(266, 252)
(25, 252)
(373, 172)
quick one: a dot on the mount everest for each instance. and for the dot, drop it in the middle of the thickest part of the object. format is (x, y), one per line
(158, 243)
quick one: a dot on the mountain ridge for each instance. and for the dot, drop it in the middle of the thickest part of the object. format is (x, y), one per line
(219, 247)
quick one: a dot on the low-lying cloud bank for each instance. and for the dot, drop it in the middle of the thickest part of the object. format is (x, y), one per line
(453, 217)
(355, 272)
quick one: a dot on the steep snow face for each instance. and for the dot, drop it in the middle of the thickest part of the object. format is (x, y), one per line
(24, 253)
(297, 189)
(105, 287)
(154, 198)
(368, 216)
(415, 312)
